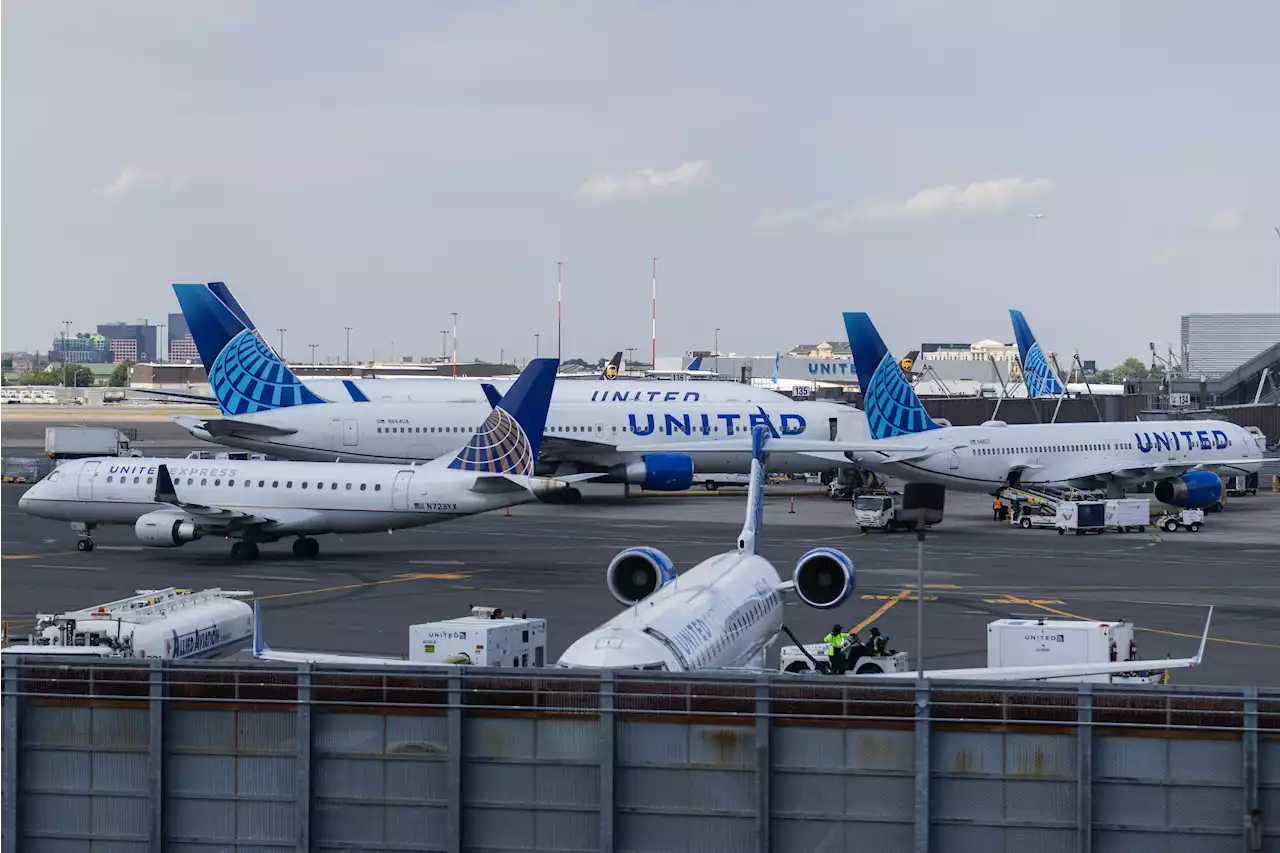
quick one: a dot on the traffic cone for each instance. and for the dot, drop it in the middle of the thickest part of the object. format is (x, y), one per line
(792, 511)
(508, 512)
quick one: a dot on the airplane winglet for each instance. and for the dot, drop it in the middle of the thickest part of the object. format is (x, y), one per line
(493, 395)
(165, 492)
(1204, 639)
(259, 639)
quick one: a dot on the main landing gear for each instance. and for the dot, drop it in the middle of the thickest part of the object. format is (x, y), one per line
(304, 547)
(243, 549)
(85, 543)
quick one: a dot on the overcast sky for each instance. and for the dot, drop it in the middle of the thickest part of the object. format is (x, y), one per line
(380, 165)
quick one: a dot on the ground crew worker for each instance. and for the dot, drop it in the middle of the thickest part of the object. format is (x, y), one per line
(835, 649)
(879, 644)
(995, 509)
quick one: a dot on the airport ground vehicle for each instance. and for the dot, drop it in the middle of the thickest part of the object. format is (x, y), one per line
(795, 659)
(83, 442)
(1081, 517)
(1245, 484)
(485, 638)
(1040, 642)
(160, 623)
(884, 512)
(1126, 514)
(1191, 519)
(1028, 515)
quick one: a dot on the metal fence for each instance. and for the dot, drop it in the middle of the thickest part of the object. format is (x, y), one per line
(235, 757)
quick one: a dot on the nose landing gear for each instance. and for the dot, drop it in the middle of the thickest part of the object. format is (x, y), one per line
(85, 543)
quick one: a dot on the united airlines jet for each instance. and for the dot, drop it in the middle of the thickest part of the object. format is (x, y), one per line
(1185, 459)
(622, 431)
(1039, 377)
(171, 502)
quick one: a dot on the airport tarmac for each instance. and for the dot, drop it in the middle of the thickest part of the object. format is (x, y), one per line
(364, 591)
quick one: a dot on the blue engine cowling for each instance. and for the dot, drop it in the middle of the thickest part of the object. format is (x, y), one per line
(666, 472)
(638, 573)
(824, 578)
(1192, 490)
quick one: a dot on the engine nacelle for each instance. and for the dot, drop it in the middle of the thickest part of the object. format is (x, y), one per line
(824, 578)
(1192, 490)
(166, 530)
(638, 573)
(667, 472)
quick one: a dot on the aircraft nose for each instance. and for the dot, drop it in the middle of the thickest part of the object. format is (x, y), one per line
(24, 502)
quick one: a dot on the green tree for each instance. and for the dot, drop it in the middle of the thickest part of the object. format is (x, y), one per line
(76, 375)
(1130, 368)
(120, 376)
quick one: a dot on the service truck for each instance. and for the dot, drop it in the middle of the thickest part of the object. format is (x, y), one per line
(82, 442)
(794, 659)
(1044, 642)
(485, 638)
(1028, 515)
(1244, 484)
(884, 512)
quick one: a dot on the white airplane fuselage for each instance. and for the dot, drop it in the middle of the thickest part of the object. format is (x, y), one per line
(981, 457)
(724, 612)
(579, 435)
(298, 497)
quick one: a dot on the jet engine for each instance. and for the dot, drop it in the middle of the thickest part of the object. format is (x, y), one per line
(166, 530)
(1192, 490)
(824, 578)
(668, 472)
(637, 573)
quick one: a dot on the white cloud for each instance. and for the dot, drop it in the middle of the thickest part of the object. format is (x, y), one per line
(1165, 258)
(785, 218)
(979, 197)
(645, 182)
(1227, 219)
(133, 179)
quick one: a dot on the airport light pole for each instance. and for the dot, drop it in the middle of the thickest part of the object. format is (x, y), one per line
(455, 342)
(348, 329)
(631, 354)
(162, 351)
(717, 349)
(537, 345)
(444, 344)
(66, 330)
(313, 352)
(281, 353)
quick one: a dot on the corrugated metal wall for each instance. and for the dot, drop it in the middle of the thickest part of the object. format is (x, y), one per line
(219, 758)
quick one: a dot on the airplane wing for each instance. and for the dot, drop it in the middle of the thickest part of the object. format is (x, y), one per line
(790, 445)
(1158, 471)
(262, 651)
(506, 483)
(1055, 671)
(229, 427)
(195, 398)
(208, 515)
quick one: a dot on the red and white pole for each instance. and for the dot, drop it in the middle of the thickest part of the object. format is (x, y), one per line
(653, 355)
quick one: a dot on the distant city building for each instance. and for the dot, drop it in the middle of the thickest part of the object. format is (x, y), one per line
(978, 351)
(182, 347)
(826, 349)
(1214, 344)
(82, 348)
(136, 341)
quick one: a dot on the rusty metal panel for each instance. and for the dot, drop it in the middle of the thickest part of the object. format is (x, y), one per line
(1040, 756)
(347, 734)
(722, 746)
(122, 728)
(651, 742)
(1130, 758)
(267, 731)
(967, 752)
(416, 736)
(491, 737)
(54, 725)
(569, 739)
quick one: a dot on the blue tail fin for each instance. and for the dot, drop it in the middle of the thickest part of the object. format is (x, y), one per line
(223, 293)
(1040, 378)
(891, 405)
(755, 491)
(246, 375)
(508, 440)
(696, 364)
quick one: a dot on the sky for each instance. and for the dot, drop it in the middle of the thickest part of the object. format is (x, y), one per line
(1105, 167)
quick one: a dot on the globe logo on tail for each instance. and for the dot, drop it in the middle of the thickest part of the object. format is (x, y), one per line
(498, 447)
(247, 376)
(892, 407)
(1040, 378)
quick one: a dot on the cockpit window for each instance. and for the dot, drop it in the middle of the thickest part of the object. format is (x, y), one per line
(53, 477)
(653, 667)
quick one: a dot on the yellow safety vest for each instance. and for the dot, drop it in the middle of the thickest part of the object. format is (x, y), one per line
(834, 642)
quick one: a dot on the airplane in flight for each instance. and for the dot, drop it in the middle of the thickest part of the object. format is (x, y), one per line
(171, 502)
(1041, 379)
(1184, 459)
(622, 432)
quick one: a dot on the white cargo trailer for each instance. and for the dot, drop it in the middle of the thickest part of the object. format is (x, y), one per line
(485, 638)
